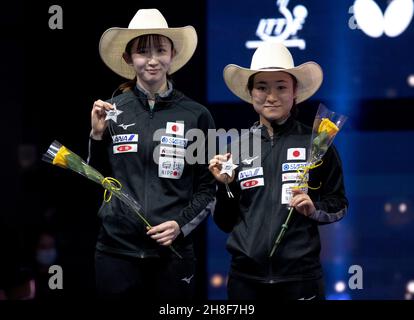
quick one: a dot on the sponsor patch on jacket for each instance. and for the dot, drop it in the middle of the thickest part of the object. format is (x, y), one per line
(296, 154)
(250, 173)
(171, 168)
(291, 176)
(287, 192)
(175, 128)
(123, 148)
(171, 151)
(173, 141)
(119, 138)
(251, 183)
(292, 166)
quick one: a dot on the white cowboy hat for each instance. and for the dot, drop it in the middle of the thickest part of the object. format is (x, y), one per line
(272, 56)
(146, 21)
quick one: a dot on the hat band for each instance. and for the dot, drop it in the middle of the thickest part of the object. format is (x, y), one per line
(272, 68)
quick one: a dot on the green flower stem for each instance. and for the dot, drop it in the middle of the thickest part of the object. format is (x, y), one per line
(281, 233)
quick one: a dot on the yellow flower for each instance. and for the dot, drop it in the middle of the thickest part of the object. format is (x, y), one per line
(60, 158)
(328, 126)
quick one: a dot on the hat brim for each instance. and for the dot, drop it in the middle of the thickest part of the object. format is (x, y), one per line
(114, 40)
(309, 78)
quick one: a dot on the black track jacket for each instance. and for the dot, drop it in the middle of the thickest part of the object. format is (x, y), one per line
(170, 190)
(254, 217)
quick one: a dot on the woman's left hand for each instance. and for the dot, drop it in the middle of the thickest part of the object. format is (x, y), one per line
(165, 233)
(302, 203)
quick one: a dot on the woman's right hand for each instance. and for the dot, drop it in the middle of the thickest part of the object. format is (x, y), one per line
(98, 116)
(215, 166)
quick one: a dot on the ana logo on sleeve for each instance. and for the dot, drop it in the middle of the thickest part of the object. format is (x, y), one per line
(250, 173)
(125, 138)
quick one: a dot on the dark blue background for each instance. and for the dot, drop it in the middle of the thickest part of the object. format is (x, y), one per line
(355, 66)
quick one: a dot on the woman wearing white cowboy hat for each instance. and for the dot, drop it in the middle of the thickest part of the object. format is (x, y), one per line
(260, 184)
(175, 196)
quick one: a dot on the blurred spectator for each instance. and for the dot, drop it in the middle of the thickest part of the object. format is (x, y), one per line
(46, 255)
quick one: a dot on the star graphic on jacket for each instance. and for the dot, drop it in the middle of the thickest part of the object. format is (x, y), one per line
(113, 114)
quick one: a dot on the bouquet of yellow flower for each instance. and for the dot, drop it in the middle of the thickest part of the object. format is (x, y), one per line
(61, 156)
(325, 127)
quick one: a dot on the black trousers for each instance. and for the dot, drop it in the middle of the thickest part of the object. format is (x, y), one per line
(155, 279)
(244, 289)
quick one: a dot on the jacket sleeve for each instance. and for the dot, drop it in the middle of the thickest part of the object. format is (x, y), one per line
(98, 155)
(331, 203)
(203, 200)
(227, 212)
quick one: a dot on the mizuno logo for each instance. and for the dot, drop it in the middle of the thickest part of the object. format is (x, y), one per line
(248, 162)
(311, 298)
(188, 279)
(125, 126)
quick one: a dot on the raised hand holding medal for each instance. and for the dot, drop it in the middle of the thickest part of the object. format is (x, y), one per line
(227, 170)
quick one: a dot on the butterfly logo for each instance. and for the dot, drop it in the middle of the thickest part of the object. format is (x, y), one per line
(393, 22)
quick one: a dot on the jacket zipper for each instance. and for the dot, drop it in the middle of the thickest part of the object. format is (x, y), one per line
(148, 144)
(271, 231)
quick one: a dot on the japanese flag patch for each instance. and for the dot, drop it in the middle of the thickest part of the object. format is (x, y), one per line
(296, 154)
(175, 128)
